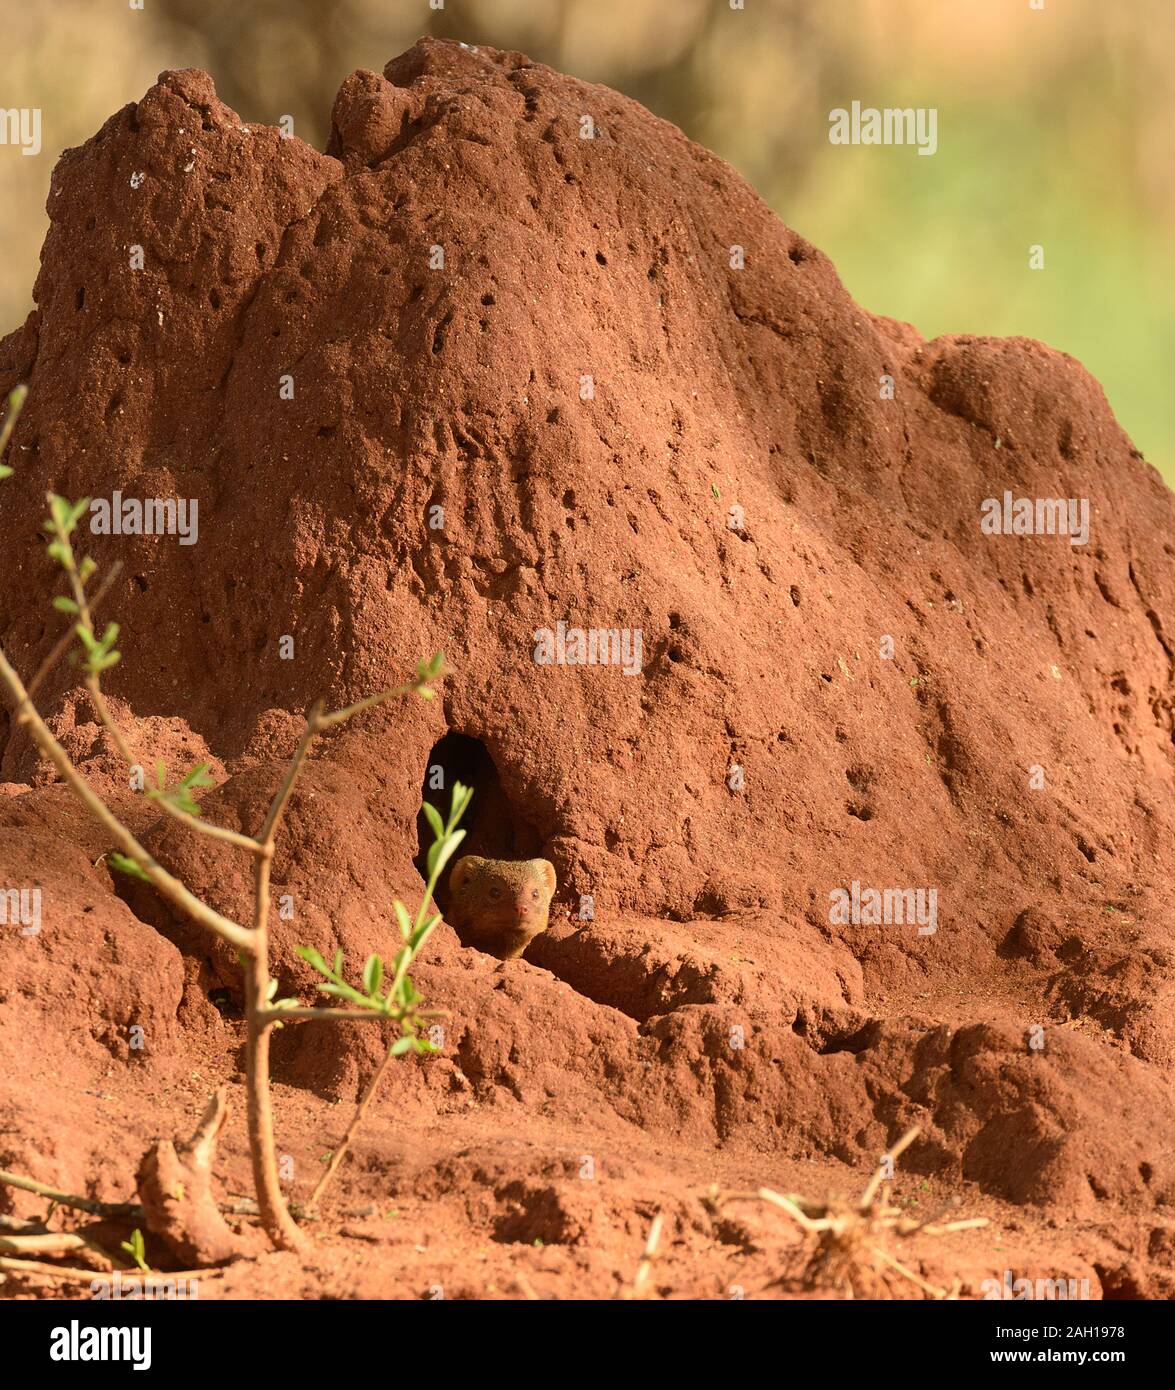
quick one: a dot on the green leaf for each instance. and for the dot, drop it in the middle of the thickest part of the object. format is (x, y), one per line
(442, 851)
(198, 777)
(125, 865)
(136, 1248)
(424, 932)
(180, 800)
(433, 816)
(402, 918)
(64, 604)
(5, 471)
(402, 1045)
(373, 973)
(88, 566)
(314, 958)
(338, 965)
(341, 990)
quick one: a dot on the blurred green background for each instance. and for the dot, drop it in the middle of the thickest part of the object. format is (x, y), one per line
(1055, 128)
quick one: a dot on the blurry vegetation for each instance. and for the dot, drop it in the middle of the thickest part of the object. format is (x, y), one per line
(1055, 127)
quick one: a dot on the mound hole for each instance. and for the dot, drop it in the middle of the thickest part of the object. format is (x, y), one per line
(494, 826)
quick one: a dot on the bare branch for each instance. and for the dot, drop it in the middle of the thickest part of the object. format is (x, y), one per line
(69, 1199)
(215, 832)
(171, 888)
(125, 1276)
(300, 1014)
(316, 723)
(884, 1167)
(340, 1153)
(340, 716)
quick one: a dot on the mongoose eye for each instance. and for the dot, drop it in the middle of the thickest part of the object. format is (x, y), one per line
(495, 892)
(534, 892)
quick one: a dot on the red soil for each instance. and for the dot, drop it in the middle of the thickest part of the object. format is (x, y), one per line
(612, 1041)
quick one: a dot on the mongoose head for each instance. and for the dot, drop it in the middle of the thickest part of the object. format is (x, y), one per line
(500, 905)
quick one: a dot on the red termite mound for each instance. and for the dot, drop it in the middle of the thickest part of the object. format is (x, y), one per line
(470, 375)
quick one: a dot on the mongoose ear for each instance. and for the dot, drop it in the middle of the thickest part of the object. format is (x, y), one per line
(461, 871)
(546, 871)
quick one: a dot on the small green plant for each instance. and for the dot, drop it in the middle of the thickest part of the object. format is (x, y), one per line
(400, 1003)
(16, 400)
(136, 1248)
(95, 654)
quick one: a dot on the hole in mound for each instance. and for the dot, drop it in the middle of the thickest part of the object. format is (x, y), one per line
(856, 1041)
(222, 1001)
(494, 827)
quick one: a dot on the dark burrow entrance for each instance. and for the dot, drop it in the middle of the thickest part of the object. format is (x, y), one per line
(494, 827)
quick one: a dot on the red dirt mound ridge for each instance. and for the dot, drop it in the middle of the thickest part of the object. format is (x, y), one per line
(475, 381)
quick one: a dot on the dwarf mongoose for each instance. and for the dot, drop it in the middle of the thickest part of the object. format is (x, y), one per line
(500, 905)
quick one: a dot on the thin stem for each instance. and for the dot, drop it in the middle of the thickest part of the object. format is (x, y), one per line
(303, 1012)
(340, 1153)
(70, 1199)
(340, 716)
(63, 643)
(886, 1166)
(43, 1243)
(275, 1215)
(259, 1018)
(645, 1268)
(16, 399)
(93, 683)
(86, 1275)
(214, 832)
(171, 888)
(99, 702)
(268, 831)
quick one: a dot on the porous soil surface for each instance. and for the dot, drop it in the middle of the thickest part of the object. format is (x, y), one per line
(625, 424)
